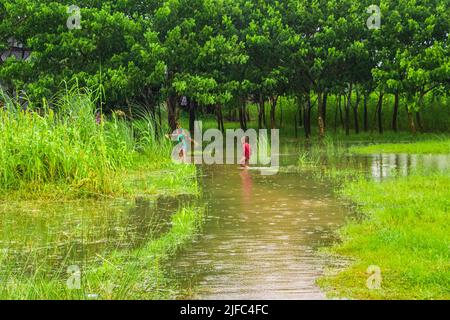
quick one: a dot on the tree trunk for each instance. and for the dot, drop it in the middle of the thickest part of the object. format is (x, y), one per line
(412, 125)
(260, 111)
(263, 114)
(320, 121)
(219, 118)
(243, 115)
(171, 112)
(336, 113)
(366, 114)
(355, 112)
(380, 113)
(307, 116)
(347, 110)
(130, 111)
(295, 125)
(395, 114)
(324, 109)
(281, 117)
(191, 117)
(300, 113)
(273, 107)
(419, 121)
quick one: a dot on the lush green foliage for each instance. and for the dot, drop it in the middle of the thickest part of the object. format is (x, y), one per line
(303, 59)
(226, 52)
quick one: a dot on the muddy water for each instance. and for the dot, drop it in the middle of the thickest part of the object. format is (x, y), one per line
(50, 237)
(260, 240)
(262, 235)
(382, 166)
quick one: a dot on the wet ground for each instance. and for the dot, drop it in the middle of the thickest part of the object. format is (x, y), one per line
(261, 239)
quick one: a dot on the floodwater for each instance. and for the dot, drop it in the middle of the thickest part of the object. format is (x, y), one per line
(382, 166)
(263, 233)
(261, 239)
(50, 237)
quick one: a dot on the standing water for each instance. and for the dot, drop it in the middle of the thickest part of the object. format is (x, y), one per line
(261, 237)
(263, 233)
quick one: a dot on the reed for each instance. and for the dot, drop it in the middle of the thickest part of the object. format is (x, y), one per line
(63, 146)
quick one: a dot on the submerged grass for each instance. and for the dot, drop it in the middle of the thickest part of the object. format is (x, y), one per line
(329, 159)
(405, 231)
(138, 274)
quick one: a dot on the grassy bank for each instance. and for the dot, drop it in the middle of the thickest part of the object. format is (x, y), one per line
(138, 274)
(437, 146)
(404, 230)
(62, 159)
(64, 150)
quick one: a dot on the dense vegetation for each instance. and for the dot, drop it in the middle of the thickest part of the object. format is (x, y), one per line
(76, 153)
(223, 54)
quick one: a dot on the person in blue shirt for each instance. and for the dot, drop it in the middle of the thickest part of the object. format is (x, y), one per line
(182, 136)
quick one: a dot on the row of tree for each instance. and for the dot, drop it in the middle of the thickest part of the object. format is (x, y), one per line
(227, 53)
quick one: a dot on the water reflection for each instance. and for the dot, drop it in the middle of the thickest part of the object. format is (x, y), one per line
(384, 166)
(50, 237)
(261, 236)
(246, 186)
(262, 233)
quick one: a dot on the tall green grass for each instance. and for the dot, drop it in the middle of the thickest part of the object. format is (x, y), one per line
(329, 159)
(60, 146)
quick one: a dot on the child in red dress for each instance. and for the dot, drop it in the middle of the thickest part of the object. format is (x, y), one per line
(246, 151)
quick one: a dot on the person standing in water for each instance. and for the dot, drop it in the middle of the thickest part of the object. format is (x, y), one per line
(182, 137)
(246, 152)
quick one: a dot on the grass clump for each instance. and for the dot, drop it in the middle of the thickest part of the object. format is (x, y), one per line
(61, 149)
(329, 159)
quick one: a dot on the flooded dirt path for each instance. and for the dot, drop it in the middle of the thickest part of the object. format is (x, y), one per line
(261, 237)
